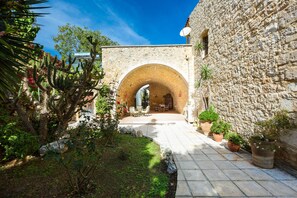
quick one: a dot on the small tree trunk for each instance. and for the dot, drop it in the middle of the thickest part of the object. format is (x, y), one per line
(25, 119)
(43, 128)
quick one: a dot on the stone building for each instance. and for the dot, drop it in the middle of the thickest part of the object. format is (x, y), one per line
(251, 46)
(167, 69)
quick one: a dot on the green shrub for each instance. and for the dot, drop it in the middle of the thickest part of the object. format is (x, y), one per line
(235, 138)
(220, 126)
(16, 142)
(209, 115)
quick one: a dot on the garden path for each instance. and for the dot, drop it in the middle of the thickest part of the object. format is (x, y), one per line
(206, 168)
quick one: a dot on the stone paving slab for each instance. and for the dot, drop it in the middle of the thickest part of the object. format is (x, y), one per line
(193, 175)
(252, 188)
(202, 188)
(257, 174)
(236, 175)
(182, 189)
(277, 188)
(226, 188)
(207, 169)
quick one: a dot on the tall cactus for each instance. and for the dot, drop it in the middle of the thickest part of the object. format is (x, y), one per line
(67, 86)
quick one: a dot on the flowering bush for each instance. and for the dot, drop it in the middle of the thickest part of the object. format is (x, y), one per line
(268, 132)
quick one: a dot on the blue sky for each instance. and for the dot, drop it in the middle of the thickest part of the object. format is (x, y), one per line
(129, 22)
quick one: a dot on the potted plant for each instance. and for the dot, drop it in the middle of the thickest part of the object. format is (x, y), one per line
(218, 129)
(206, 118)
(234, 141)
(264, 142)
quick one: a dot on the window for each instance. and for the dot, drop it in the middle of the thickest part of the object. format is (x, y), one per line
(206, 102)
(204, 38)
(205, 44)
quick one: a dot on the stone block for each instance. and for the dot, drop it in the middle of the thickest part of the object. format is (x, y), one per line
(59, 146)
(293, 56)
(291, 38)
(291, 74)
(292, 87)
(287, 104)
(282, 59)
(273, 27)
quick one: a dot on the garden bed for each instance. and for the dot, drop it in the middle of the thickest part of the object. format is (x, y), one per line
(131, 168)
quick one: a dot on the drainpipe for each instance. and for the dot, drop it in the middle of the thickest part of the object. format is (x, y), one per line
(190, 107)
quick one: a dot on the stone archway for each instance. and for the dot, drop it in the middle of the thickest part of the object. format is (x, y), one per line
(162, 80)
(167, 68)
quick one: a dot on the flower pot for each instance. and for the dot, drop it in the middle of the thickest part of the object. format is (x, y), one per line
(218, 137)
(233, 147)
(205, 126)
(262, 155)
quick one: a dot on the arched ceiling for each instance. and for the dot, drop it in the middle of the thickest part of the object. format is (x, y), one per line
(154, 73)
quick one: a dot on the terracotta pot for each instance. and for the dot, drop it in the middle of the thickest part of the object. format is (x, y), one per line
(233, 147)
(218, 137)
(263, 157)
(205, 126)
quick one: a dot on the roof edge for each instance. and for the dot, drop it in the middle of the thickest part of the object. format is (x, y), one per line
(140, 46)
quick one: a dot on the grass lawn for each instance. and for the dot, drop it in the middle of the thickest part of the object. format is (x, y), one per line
(141, 174)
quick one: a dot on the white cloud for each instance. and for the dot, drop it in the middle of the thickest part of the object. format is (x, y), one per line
(60, 13)
(106, 21)
(118, 29)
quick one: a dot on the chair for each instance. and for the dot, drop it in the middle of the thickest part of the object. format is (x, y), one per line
(139, 108)
(133, 112)
(156, 107)
(162, 107)
(146, 111)
(166, 107)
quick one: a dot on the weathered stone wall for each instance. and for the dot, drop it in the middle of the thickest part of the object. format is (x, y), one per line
(253, 52)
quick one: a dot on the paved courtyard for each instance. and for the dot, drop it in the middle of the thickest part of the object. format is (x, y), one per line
(206, 168)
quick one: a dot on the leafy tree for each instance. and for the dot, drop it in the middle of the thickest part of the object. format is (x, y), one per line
(72, 39)
(17, 31)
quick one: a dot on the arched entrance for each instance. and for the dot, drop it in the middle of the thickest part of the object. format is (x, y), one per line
(163, 81)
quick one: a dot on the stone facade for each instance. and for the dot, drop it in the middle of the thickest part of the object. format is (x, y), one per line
(252, 49)
(170, 66)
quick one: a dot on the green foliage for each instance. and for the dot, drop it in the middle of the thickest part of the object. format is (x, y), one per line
(78, 168)
(220, 126)
(235, 138)
(209, 115)
(198, 46)
(16, 142)
(70, 88)
(206, 73)
(274, 127)
(158, 186)
(72, 39)
(104, 103)
(271, 130)
(141, 175)
(17, 32)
